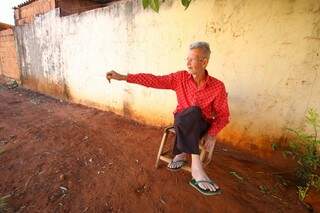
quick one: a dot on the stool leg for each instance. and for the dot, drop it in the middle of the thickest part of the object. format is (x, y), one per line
(202, 150)
(164, 139)
(211, 151)
(204, 156)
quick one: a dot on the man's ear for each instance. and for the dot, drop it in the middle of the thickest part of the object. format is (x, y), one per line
(205, 62)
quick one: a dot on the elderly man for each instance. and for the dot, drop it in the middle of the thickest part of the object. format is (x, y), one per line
(202, 110)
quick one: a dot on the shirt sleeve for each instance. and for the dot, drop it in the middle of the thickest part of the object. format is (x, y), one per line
(159, 82)
(221, 109)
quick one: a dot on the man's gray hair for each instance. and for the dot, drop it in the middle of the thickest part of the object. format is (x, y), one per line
(204, 46)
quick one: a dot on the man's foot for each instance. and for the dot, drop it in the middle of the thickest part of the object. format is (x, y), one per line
(195, 184)
(177, 162)
(199, 175)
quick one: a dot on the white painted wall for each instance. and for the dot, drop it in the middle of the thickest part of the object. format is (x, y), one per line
(266, 53)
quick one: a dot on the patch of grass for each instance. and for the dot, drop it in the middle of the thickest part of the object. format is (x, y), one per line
(235, 174)
(3, 203)
(305, 149)
(274, 146)
(263, 189)
(3, 200)
(282, 181)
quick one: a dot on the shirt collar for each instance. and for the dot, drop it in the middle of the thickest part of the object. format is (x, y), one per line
(206, 80)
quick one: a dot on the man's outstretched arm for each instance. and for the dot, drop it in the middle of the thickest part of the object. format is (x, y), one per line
(148, 80)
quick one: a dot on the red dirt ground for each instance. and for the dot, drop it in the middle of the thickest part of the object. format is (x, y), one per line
(62, 157)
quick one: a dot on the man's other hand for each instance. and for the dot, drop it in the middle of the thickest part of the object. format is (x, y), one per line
(209, 142)
(116, 76)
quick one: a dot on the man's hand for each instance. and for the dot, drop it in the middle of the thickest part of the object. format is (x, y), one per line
(208, 142)
(116, 76)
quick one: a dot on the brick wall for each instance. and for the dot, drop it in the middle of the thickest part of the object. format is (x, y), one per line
(8, 55)
(77, 6)
(25, 14)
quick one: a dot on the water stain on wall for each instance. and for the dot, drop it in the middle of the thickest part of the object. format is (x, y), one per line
(46, 86)
(127, 100)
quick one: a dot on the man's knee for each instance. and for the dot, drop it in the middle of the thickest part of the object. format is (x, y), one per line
(189, 114)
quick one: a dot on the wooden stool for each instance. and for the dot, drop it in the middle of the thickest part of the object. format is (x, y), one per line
(205, 155)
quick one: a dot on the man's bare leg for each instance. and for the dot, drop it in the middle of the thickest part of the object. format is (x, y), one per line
(198, 173)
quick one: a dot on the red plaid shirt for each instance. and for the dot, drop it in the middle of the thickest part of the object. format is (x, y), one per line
(211, 97)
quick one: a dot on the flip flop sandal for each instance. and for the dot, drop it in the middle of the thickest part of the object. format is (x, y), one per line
(180, 164)
(195, 184)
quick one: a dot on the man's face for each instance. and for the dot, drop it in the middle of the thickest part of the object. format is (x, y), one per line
(196, 61)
